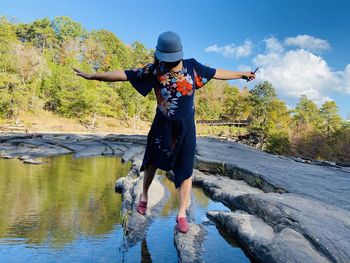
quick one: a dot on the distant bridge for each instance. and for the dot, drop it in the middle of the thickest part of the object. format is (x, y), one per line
(242, 123)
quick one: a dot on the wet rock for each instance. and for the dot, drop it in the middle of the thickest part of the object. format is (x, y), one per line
(33, 161)
(91, 148)
(324, 227)
(133, 151)
(137, 139)
(29, 150)
(190, 244)
(263, 243)
(115, 148)
(135, 224)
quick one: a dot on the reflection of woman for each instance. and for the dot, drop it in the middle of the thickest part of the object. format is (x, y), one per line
(145, 255)
(171, 140)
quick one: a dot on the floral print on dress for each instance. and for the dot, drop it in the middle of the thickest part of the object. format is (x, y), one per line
(173, 87)
(199, 80)
(141, 72)
(174, 90)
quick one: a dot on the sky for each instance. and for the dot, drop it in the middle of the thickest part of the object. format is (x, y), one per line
(301, 47)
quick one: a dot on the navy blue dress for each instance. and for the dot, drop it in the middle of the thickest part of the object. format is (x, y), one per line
(171, 141)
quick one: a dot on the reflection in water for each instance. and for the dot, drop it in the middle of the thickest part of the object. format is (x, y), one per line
(58, 201)
(145, 255)
(67, 210)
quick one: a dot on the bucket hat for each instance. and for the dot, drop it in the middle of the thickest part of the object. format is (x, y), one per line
(169, 47)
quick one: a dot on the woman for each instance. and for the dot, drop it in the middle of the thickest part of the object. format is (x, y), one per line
(171, 140)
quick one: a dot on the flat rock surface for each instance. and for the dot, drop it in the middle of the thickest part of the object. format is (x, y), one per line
(326, 184)
(222, 188)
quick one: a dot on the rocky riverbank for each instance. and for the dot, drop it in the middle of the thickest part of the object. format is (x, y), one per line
(281, 210)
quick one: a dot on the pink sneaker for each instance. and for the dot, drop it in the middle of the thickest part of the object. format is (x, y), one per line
(142, 207)
(182, 224)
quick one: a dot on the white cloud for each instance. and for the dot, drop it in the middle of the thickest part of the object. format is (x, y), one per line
(298, 71)
(232, 50)
(307, 42)
(344, 77)
(273, 45)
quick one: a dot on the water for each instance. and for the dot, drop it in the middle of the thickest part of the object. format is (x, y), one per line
(67, 210)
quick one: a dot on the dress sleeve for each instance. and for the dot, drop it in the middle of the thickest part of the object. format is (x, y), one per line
(142, 79)
(202, 73)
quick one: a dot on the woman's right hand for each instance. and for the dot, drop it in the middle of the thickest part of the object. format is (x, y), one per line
(82, 74)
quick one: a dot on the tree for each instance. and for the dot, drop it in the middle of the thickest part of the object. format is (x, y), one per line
(65, 28)
(331, 121)
(270, 118)
(261, 97)
(237, 103)
(210, 99)
(40, 33)
(306, 114)
(118, 55)
(141, 54)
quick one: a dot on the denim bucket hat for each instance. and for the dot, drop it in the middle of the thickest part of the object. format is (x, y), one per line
(169, 47)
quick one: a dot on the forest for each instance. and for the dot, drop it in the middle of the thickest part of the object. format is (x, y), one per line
(36, 61)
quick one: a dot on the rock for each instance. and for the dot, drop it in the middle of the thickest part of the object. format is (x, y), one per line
(27, 149)
(324, 227)
(288, 210)
(137, 139)
(235, 172)
(273, 174)
(133, 151)
(190, 244)
(116, 148)
(263, 243)
(33, 161)
(91, 148)
(327, 227)
(222, 188)
(135, 224)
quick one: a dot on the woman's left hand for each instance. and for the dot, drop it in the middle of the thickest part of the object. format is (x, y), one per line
(249, 75)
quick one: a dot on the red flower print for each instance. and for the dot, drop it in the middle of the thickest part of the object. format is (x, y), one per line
(184, 87)
(164, 79)
(199, 82)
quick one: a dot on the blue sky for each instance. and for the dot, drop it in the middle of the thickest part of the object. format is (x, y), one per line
(302, 47)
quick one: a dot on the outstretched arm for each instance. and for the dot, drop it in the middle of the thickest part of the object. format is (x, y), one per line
(228, 74)
(116, 75)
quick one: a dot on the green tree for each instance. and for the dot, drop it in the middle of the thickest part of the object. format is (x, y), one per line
(306, 114)
(40, 33)
(237, 103)
(141, 55)
(270, 118)
(65, 28)
(210, 100)
(261, 97)
(331, 121)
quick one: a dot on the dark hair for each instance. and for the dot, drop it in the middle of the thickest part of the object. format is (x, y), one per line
(169, 65)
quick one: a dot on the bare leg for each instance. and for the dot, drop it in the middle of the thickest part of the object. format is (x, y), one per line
(147, 180)
(184, 194)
